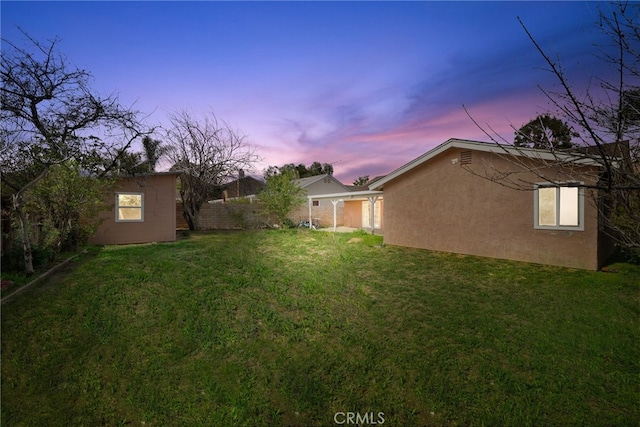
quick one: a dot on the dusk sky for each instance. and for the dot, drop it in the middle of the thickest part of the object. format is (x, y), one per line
(366, 86)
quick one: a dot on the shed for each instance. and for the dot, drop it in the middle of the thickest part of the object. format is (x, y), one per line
(143, 210)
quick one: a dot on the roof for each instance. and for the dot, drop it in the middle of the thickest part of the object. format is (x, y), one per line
(245, 186)
(306, 182)
(138, 175)
(573, 157)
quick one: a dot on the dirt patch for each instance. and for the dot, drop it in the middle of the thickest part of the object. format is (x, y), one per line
(355, 240)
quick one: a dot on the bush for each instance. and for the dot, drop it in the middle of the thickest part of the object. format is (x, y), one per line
(13, 259)
(288, 223)
(281, 195)
(630, 255)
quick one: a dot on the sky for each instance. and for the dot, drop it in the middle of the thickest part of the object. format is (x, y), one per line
(365, 86)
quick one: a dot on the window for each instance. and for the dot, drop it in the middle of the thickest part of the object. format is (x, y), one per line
(559, 207)
(129, 207)
(316, 203)
(366, 214)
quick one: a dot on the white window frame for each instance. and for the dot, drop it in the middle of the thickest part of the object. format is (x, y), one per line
(366, 214)
(557, 186)
(129, 193)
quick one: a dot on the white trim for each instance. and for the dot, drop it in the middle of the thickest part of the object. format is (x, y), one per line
(371, 213)
(349, 195)
(117, 205)
(579, 227)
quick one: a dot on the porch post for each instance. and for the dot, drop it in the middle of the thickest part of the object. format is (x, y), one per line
(335, 204)
(372, 206)
(310, 204)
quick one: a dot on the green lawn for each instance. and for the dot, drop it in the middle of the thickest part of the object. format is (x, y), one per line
(292, 327)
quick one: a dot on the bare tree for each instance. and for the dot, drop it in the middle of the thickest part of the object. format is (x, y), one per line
(207, 152)
(50, 115)
(606, 119)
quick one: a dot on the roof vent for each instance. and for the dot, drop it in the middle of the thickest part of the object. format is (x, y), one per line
(465, 157)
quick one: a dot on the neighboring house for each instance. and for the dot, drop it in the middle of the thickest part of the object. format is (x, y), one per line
(144, 210)
(320, 209)
(440, 201)
(245, 186)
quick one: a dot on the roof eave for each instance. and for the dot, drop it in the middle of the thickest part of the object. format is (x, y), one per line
(485, 147)
(348, 195)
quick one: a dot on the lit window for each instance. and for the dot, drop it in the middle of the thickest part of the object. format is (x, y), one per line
(129, 207)
(559, 207)
(366, 214)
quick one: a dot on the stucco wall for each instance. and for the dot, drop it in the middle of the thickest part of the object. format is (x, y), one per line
(440, 206)
(353, 213)
(159, 223)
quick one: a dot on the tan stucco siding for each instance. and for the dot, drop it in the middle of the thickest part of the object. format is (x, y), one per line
(159, 223)
(440, 206)
(353, 213)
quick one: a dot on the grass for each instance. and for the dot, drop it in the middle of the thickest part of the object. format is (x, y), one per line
(17, 276)
(291, 327)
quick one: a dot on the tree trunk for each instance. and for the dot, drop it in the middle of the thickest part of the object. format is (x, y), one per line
(190, 210)
(26, 243)
(191, 217)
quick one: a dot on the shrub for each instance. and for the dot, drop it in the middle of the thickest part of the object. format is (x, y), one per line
(13, 259)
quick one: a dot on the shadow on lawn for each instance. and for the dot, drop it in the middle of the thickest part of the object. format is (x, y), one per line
(49, 275)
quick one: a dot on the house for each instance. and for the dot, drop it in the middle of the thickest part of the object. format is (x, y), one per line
(353, 208)
(458, 198)
(244, 186)
(144, 210)
(321, 209)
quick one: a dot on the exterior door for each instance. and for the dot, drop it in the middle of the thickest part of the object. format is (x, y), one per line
(366, 212)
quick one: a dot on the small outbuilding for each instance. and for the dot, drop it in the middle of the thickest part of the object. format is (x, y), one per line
(143, 210)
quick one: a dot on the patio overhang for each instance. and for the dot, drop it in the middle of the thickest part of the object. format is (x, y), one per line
(371, 195)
